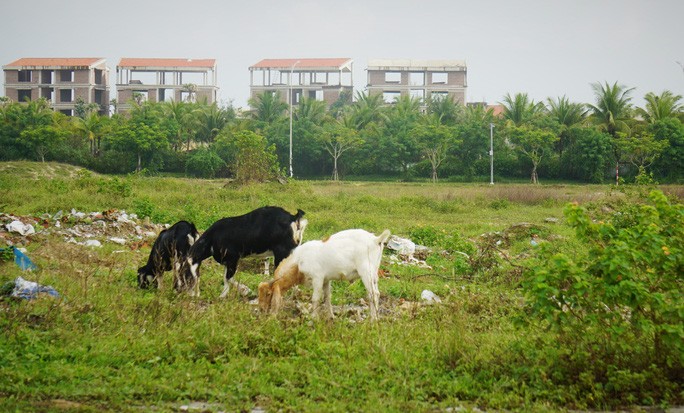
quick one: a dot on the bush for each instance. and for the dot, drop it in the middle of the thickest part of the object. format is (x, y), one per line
(621, 303)
(204, 163)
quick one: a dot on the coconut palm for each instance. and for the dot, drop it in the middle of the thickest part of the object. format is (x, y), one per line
(90, 128)
(267, 107)
(445, 108)
(567, 114)
(520, 109)
(367, 109)
(667, 105)
(612, 114)
(612, 111)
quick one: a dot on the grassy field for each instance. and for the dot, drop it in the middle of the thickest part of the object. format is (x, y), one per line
(105, 345)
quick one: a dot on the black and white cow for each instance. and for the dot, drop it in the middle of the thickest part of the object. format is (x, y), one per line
(264, 231)
(169, 250)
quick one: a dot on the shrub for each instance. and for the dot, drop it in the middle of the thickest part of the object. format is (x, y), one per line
(623, 298)
(204, 163)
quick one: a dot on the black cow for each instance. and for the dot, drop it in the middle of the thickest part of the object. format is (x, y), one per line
(169, 249)
(264, 231)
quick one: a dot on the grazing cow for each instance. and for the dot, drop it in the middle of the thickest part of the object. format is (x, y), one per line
(264, 231)
(346, 255)
(169, 250)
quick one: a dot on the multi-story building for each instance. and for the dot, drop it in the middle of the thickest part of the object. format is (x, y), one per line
(162, 80)
(423, 79)
(322, 79)
(62, 81)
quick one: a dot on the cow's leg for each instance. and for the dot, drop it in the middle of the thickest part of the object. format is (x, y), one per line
(231, 266)
(373, 293)
(326, 300)
(318, 292)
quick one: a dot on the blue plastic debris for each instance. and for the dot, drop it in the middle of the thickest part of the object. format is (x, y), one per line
(29, 289)
(22, 260)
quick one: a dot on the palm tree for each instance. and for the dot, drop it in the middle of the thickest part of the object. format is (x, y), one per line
(89, 127)
(567, 114)
(267, 107)
(312, 110)
(445, 108)
(660, 107)
(612, 114)
(211, 119)
(613, 108)
(367, 109)
(520, 109)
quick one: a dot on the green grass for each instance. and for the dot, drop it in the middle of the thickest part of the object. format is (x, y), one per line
(108, 346)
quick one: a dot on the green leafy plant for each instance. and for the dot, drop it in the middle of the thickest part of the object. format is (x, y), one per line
(627, 289)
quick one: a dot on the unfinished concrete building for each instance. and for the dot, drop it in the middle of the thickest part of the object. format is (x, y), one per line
(63, 82)
(322, 79)
(164, 80)
(423, 79)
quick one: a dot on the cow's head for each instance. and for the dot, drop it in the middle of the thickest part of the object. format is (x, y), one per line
(298, 226)
(146, 278)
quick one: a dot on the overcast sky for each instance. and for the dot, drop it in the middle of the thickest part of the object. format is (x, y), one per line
(545, 48)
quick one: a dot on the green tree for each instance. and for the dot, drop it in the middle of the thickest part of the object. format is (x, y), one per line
(267, 108)
(671, 163)
(568, 115)
(254, 159)
(445, 108)
(139, 138)
(520, 109)
(533, 142)
(91, 128)
(434, 141)
(588, 154)
(641, 149)
(338, 139)
(43, 140)
(399, 144)
(612, 113)
(667, 105)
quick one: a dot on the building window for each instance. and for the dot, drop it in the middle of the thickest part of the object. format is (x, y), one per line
(416, 78)
(417, 94)
(68, 112)
(24, 95)
(440, 78)
(66, 95)
(46, 77)
(66, 75)
(98, 77)
(392, 77)
(390, 97)
(24, 75)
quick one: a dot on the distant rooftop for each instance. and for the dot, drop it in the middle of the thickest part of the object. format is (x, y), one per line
(54, 62)
(403, 64)
(166, 64)
(340, 63)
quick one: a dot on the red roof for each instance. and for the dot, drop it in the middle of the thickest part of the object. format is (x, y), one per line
(323, 63)
(156, 62)
(57, 61)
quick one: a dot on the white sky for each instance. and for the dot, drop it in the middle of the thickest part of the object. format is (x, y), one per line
(546, 48)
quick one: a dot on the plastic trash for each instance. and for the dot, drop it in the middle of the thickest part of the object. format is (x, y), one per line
(430, 297)
(20, 227)
(29, 290)
(402, 246)
(22, 260)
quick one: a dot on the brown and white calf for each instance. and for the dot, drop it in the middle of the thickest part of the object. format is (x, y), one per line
(346, 255)
(264, 231)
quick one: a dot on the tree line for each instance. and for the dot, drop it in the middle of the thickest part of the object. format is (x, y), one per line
(363, 136)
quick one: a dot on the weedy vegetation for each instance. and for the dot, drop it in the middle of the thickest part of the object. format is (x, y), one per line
(553, 297)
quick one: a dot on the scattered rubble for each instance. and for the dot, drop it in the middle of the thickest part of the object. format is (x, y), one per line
(88, 229)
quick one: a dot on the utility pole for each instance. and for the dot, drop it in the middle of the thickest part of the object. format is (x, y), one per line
(491, 154)
(291, 103)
